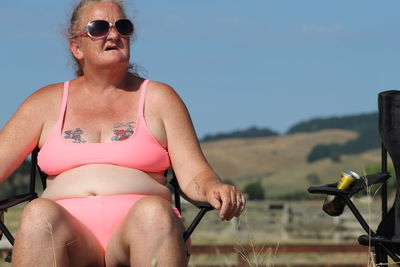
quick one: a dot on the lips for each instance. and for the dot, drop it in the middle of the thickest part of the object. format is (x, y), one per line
(110, 47)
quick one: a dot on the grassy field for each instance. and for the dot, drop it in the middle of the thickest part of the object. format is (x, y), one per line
(212, 232)
(280, 162)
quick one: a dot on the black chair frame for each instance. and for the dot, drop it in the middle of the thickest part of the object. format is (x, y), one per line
(383, 247)
(11, 202)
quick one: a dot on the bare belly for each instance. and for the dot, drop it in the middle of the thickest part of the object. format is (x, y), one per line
(104, 179)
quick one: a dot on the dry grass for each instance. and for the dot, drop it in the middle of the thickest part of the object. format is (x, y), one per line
(269, 257)
(255, 258)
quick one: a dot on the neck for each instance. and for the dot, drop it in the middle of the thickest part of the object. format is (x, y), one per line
(103, 79)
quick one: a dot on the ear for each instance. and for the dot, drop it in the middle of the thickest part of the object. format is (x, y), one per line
(74, 46)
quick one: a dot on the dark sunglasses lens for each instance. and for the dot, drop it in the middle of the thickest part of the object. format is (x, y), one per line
(98, 28)
(124, 27)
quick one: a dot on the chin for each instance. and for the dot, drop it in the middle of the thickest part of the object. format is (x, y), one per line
(115, 61)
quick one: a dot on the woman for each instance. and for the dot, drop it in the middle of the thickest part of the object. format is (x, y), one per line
(106, 138)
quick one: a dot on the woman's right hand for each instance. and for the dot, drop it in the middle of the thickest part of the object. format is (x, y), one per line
(226, 198)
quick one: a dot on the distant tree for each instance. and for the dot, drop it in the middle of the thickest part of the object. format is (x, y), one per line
(250, 132)
(313, 179)
(335, 156)
(358, 123)
(321, 151)
(254, 191)
(364, 124)
(368, 139)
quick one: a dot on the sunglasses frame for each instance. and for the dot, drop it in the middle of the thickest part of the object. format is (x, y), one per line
(111, 25)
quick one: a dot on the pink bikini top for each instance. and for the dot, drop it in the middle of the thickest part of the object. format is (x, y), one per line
(140, 151)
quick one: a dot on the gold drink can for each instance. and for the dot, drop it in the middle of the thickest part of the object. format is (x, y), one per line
(347, 179)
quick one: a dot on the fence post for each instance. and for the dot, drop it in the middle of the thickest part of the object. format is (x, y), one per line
(286, 220)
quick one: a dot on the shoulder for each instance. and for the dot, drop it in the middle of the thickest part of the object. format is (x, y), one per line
(31, 115)
(163, 95)
(46, 95)
(161, 89)
(43, 101)
(168, 105)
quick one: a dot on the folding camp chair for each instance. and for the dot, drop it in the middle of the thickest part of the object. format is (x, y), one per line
(11, 202)
(386, 240)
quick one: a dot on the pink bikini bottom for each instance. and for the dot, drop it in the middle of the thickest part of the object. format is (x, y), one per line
(102, 214)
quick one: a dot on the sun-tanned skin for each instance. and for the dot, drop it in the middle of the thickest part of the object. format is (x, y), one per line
(101, 105)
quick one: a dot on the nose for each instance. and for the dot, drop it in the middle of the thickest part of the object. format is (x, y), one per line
(112, 34)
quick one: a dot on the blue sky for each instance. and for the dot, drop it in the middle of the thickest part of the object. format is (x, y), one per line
(235, 63)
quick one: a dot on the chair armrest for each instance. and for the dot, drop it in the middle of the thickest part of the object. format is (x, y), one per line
(203, 210)
(204, 207)
(330, 189)
(11, 202)
(368, 180)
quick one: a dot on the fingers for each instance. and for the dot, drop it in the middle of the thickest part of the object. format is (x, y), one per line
(226, 205)
(215, 201)
(242, 204)
(238, 205)
(233, 202)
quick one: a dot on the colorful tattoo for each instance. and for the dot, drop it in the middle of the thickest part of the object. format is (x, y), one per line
(123, 131)
(75, 135)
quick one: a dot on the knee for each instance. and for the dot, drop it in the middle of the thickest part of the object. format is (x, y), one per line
(40, 214)
(155, 214)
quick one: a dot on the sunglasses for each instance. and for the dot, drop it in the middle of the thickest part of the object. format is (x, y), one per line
(97, 29)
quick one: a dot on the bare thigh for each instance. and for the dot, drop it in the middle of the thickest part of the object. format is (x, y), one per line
(118, 248)
(46, 227)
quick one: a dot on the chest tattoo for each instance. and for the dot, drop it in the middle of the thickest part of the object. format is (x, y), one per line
(123, 131)
(75, 135)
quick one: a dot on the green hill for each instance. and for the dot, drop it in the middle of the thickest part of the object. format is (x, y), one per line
(358, 123)
(366, 125)
(251, 132)
(280, 165)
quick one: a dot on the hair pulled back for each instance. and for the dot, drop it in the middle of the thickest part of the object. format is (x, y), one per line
(76, 21)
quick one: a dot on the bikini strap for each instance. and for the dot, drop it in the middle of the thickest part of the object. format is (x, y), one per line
(143, 89)
(64, 102)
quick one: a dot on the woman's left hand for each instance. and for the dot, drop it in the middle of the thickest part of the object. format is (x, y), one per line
(227, 199)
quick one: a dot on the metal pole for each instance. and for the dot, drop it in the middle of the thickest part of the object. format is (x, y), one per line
(383, 250)
(384, 185)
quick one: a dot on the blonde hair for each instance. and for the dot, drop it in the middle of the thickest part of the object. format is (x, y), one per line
(76, 21)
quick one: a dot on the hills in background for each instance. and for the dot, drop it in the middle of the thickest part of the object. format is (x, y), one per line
(365, 125)
(287, 164)
(251, 132)
(280, 163)
(311, 152)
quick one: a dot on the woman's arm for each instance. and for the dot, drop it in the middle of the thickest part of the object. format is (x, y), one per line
(22, 132)
(197, 179)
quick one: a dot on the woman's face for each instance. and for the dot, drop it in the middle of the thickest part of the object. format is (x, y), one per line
(108, 51)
